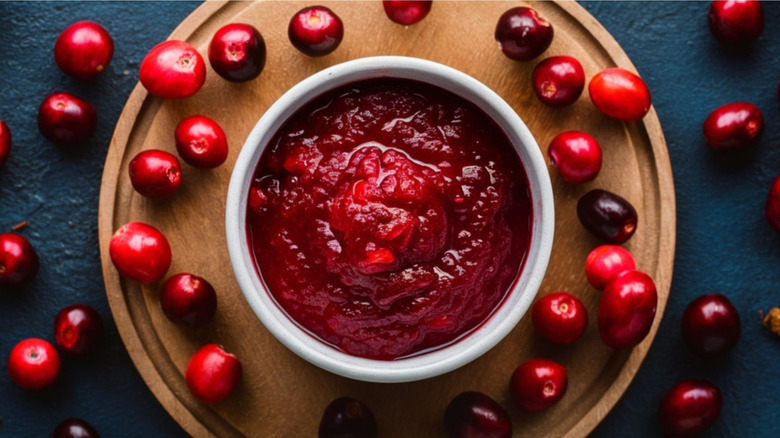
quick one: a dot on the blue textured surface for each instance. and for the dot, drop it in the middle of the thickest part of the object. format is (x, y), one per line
(723, 241)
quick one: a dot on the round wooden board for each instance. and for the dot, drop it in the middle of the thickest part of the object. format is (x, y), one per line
(282, 395)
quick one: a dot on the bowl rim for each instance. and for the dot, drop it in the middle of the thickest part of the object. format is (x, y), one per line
(476, 342)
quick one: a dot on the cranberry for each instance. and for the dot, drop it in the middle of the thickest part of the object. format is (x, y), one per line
(710, 325)
(212, 373)
(188, 300)
(523, 33)
(66, 119)
(34, 364)
(576, 155)
(733, 127)
(607, 215)
(155, 174)
(538, 384)
(78, 329)
(315, 30)
(736, 22)
(473, 414)
(173, 70)
(560, 317)
(346, 417)
(772, 210)
(201, 142)
(690, 408)
(606, 261)
(140, 252)
(620, 94)
(407, 12)
(627, 309)
(18, 261)
(74, 428)
(558, 80)
(237, 52)
(5, 143)
(83, 49)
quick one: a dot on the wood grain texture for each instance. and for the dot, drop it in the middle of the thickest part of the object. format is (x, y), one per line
(282, 395)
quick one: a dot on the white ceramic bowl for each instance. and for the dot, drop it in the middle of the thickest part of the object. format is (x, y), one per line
(444, 359)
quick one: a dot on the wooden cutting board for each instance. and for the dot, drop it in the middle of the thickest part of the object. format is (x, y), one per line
(283, 396)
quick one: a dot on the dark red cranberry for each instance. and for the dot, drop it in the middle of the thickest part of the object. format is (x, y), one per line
(576, 155)
(66, 119)
(473, 414)
(627, 309)
(733, 127)
(407, 12)
(78, 329)
(560, 317)
(155, 174)
(690, 408)
(74, 428)
(212, 373)
(558, 80)
(523, 33)
(188, 300)
(538, 384)
(34, 364)
(605, 262)
(347, 418)
(237, 52)
(736, 22)
(173, 69)
(620, 94)
(772, 209)
(83, 49)
(5, 143)
(315, 31)
(607, 215)
(710, 325)
(18, 262)
(201, 142)
(140, 252)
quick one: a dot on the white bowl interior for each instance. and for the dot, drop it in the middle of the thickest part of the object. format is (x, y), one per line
(444, 359)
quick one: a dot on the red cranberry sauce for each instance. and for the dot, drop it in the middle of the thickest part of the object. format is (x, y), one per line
(389, 217)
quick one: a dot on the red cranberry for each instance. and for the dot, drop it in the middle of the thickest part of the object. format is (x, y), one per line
(736, 22)
(34, 364)
(558, 81)
(772, 210)
(606, 261)
(690, 408)
(173, 70)
(576, 155)
(407, 12)
(733, 127)
(538, 384)
(473, 414)
(607, 215)
(140, 252)
(237, 52)
(560, 317)
(315, 30)
(78, 329)
(201, 142)
(710, 325)
(66, 119)
(155, 174)
(188, 300)
(83, 49)
(5, 143)
(212, 373)
(627, 309)
(18, 261)
(523, 33)
(620, 94)
(74, 428)
(346, 417)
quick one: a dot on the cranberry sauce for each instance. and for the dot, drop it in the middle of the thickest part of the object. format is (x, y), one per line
(389, 217)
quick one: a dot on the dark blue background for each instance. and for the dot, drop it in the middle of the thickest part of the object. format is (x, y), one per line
(723, 242)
